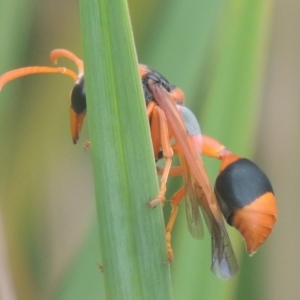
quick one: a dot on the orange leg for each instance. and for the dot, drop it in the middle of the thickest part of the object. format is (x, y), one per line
(167, 154)
(175, 201)
(150, 108)
(174, 171)
(160, 136)
(155, 130)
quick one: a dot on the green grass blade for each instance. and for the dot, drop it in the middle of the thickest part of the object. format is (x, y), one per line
(131, 235)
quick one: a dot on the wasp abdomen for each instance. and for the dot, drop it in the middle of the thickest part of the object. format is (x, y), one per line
(247, 200)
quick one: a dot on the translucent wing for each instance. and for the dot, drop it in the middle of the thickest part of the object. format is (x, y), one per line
(193, 215)
(224, 263)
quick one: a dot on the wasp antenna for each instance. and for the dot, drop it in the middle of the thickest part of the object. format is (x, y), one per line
(58, 53)
(14, 74)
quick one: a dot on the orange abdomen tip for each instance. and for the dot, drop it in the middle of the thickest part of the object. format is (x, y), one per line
(256, 221)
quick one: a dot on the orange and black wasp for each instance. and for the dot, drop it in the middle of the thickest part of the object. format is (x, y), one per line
(242, 192)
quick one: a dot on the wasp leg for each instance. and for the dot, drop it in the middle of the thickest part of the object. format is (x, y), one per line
(155, 130)
(175, 201)
(158, 117)
(150, 108)
(174, 171)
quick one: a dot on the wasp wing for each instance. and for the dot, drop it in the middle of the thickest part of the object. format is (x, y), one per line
(224, 262)
(193, 216)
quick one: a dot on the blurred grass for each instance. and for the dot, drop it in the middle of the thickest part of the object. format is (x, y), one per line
(214, 50)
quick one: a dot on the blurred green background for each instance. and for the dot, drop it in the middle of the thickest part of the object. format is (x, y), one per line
(238, 64)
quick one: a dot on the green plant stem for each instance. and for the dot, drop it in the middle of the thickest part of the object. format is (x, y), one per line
(131, 234)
